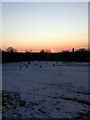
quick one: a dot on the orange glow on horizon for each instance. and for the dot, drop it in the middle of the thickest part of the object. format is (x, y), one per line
(54, 50)
(53, 45)
(34, 26)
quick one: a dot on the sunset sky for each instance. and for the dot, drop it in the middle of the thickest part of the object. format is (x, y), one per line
(44, 25)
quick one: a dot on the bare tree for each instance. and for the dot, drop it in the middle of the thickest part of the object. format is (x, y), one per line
(11, 49)
(42, 51)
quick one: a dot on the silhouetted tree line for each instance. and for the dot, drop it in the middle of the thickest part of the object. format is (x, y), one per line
(65, 56)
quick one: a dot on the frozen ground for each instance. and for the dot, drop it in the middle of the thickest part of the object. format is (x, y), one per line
(49, 89)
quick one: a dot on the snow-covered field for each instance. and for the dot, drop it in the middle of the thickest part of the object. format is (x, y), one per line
(49, 89)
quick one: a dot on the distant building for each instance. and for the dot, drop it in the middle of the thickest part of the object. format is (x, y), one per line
(73, 50)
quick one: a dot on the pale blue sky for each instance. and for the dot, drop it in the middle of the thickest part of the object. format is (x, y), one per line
(0, 25)
(48, 25)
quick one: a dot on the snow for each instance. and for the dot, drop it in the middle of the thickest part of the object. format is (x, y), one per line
(58, 91)
(0, 90)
